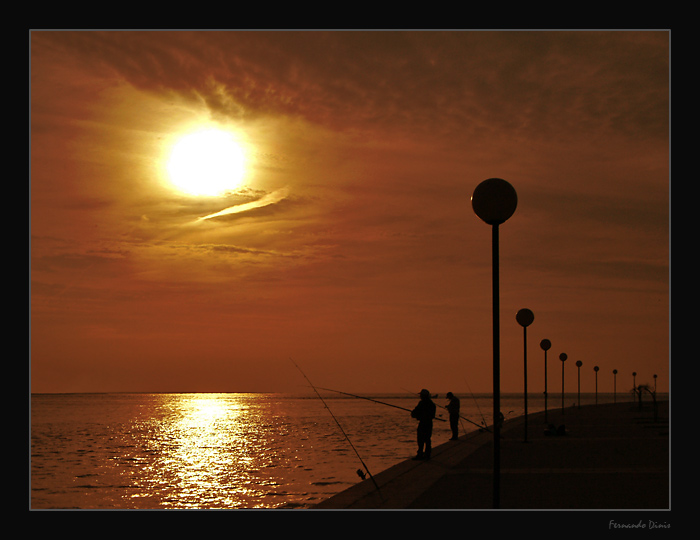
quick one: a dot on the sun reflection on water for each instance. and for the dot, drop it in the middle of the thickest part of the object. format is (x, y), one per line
(209, 452)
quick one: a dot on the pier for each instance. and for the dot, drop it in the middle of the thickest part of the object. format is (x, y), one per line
(611, 456)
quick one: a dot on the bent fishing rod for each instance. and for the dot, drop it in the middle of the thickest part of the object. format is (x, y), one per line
(342, 431)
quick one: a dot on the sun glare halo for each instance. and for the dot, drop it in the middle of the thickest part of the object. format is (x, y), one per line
(207, 162)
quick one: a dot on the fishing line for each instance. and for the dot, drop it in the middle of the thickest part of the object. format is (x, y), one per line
(460, 420)
(443, 407)
(477, 403)
(360, 474)
(375, 401)
(467, 419)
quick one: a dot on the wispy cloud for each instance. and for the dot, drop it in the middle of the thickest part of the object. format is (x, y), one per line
(270, 198)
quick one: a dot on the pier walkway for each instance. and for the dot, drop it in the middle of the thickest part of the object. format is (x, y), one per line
(613, 456)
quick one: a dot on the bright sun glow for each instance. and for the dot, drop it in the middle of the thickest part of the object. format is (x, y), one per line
(208, 162)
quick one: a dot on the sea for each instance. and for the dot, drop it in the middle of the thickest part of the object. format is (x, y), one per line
(152, 451)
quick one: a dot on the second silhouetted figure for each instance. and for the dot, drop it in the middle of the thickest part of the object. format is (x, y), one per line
(424, 413)
(453, 408)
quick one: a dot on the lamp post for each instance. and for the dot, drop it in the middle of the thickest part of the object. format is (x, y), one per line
(563, 358)
(596, 368)
(545, 345)
(578, 365)
(494, 201)
(634, 384)
(614, 386)
(655, 383)
(525, 318)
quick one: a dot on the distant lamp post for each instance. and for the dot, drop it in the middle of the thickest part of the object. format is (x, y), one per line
(578, 365)
(494, 201)
(634, 384)
(545, 345)
(525, 318)
(614, 386)
(655, 383)
(563, 358)
(596, 368)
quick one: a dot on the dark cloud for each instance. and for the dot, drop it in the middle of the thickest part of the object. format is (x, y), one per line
(525, 84)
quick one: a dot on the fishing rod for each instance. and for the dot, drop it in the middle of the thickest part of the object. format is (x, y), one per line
(359, 471)
(460, 416)
(460, 419)
(375, 401)
(468, 420)
(483, 418)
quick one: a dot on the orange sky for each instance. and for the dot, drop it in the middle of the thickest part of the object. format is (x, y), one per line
(367, 265)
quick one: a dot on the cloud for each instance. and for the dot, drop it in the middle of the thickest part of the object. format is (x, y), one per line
(270, 198)
(441, 84)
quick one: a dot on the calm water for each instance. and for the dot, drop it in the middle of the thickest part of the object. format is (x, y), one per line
(211, 451)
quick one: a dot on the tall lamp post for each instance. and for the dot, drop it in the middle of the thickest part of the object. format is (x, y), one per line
(596, 368)
(614, 386)
(563, 358)
(494, 201)
(634, 384)
(545, 345)
(578, 365)
(525, 318)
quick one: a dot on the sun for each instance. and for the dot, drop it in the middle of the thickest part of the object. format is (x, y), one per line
(207, 162)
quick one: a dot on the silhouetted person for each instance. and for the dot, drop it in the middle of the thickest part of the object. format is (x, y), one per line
(453, 408)
(424, 413)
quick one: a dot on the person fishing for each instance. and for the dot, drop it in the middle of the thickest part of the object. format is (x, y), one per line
(453, 408)
(424, 412)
